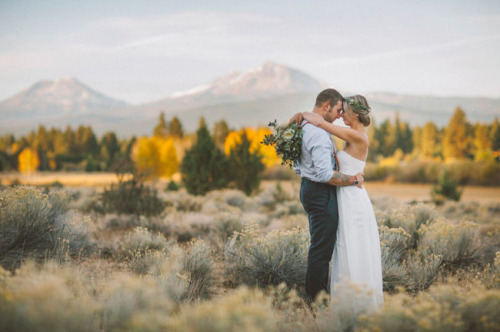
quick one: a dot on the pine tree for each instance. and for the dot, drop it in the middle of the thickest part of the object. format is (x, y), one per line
(245, 167)
(456, 141)
(109, 148)
(399, 139)
(204, 166)
(220, 132)
(495, 135)
(417, 141)
(175, 128)
(385, 135)
(161, 128)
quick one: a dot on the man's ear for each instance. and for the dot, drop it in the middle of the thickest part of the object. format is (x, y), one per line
(325, 106)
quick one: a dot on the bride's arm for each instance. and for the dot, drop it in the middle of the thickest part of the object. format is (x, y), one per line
(345, 133)
(297, 118)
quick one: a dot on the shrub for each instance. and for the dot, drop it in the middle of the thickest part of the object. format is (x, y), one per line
(447, 188)
(136, 303)
(49, 298)
(422, 271)
(38, 225)
(226, 224)
(132, 197)
(394, 244)
(442, 308)
(147, 262)
(243, 310)
(199, 269)
(280, 256)
(172, 186)
(410, 219)
(457, 244)
(491, 274)
(141, 240)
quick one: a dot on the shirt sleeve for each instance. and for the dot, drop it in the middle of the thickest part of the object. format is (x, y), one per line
(321, 154)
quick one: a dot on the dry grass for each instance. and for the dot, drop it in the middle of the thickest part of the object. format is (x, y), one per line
(186, 285)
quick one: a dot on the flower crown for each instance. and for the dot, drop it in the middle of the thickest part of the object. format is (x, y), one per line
(357, 105)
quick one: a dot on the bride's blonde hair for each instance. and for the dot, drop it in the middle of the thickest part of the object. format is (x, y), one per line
(359, 105)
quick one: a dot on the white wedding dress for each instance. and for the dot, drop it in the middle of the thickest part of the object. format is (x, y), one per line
(356, 278)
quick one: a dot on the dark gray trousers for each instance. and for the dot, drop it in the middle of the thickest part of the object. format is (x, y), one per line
(320, 202)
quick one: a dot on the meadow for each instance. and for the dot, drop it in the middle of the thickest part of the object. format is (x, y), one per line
(226, 261)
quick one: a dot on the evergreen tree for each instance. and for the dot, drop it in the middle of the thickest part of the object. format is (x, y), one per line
(385, 135)
(456, 141)
(495, 135)
(399, 139)
(245, 167)
(202, 123)
(175, 128)
(69, 141)
(220, 132)
(161, 128)
(407, 134)
(109, 148)
(417, 141)
(204, 166)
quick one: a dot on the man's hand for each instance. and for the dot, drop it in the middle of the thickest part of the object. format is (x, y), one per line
(360, 179)
(297, 118)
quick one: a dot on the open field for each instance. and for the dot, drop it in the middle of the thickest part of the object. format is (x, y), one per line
(403, 192)
(227, 262)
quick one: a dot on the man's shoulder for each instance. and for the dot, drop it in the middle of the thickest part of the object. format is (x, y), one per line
(310, 131)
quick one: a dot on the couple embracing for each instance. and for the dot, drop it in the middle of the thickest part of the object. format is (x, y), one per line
(341, 218)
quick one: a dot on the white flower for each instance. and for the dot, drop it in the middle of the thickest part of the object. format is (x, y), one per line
(288, 134)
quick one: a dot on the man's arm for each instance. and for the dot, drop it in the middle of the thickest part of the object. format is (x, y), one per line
(340, 179)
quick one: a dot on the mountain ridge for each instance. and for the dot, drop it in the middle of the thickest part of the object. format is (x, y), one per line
(252, 97)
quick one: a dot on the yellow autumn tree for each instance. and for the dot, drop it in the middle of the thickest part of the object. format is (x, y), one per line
(156, 157)
(456, 142)
(429, 140)
(233, 139)
(28, 161)
(168, 156)
(268, 154)
(482, 143)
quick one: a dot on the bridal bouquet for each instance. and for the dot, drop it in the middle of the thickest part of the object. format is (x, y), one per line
(287, 141)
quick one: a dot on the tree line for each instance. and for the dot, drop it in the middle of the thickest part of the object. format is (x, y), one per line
(162, 153)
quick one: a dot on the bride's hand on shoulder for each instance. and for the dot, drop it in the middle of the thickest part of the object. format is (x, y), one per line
(297, 118)
(313, 118)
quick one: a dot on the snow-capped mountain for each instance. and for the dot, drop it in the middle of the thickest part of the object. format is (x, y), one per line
(267, 79)
(249, 98)
(57, 98)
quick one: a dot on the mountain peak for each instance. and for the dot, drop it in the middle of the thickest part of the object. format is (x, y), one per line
(267, 79)
(60, 96)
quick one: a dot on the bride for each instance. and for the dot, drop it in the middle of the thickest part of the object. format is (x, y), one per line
(356, 257)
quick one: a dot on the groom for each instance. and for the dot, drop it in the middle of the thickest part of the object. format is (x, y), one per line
(320, 173)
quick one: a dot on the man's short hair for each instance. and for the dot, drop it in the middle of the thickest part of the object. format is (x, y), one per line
(330, 95)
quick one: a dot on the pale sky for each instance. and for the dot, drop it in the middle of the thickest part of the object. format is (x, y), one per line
(140, 51)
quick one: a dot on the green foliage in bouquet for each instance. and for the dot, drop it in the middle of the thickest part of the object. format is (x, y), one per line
(287, 141)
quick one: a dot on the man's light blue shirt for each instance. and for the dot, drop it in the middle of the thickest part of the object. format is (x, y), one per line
(317, 159)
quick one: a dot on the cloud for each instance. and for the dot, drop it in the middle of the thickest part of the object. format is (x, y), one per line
(410, 51)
